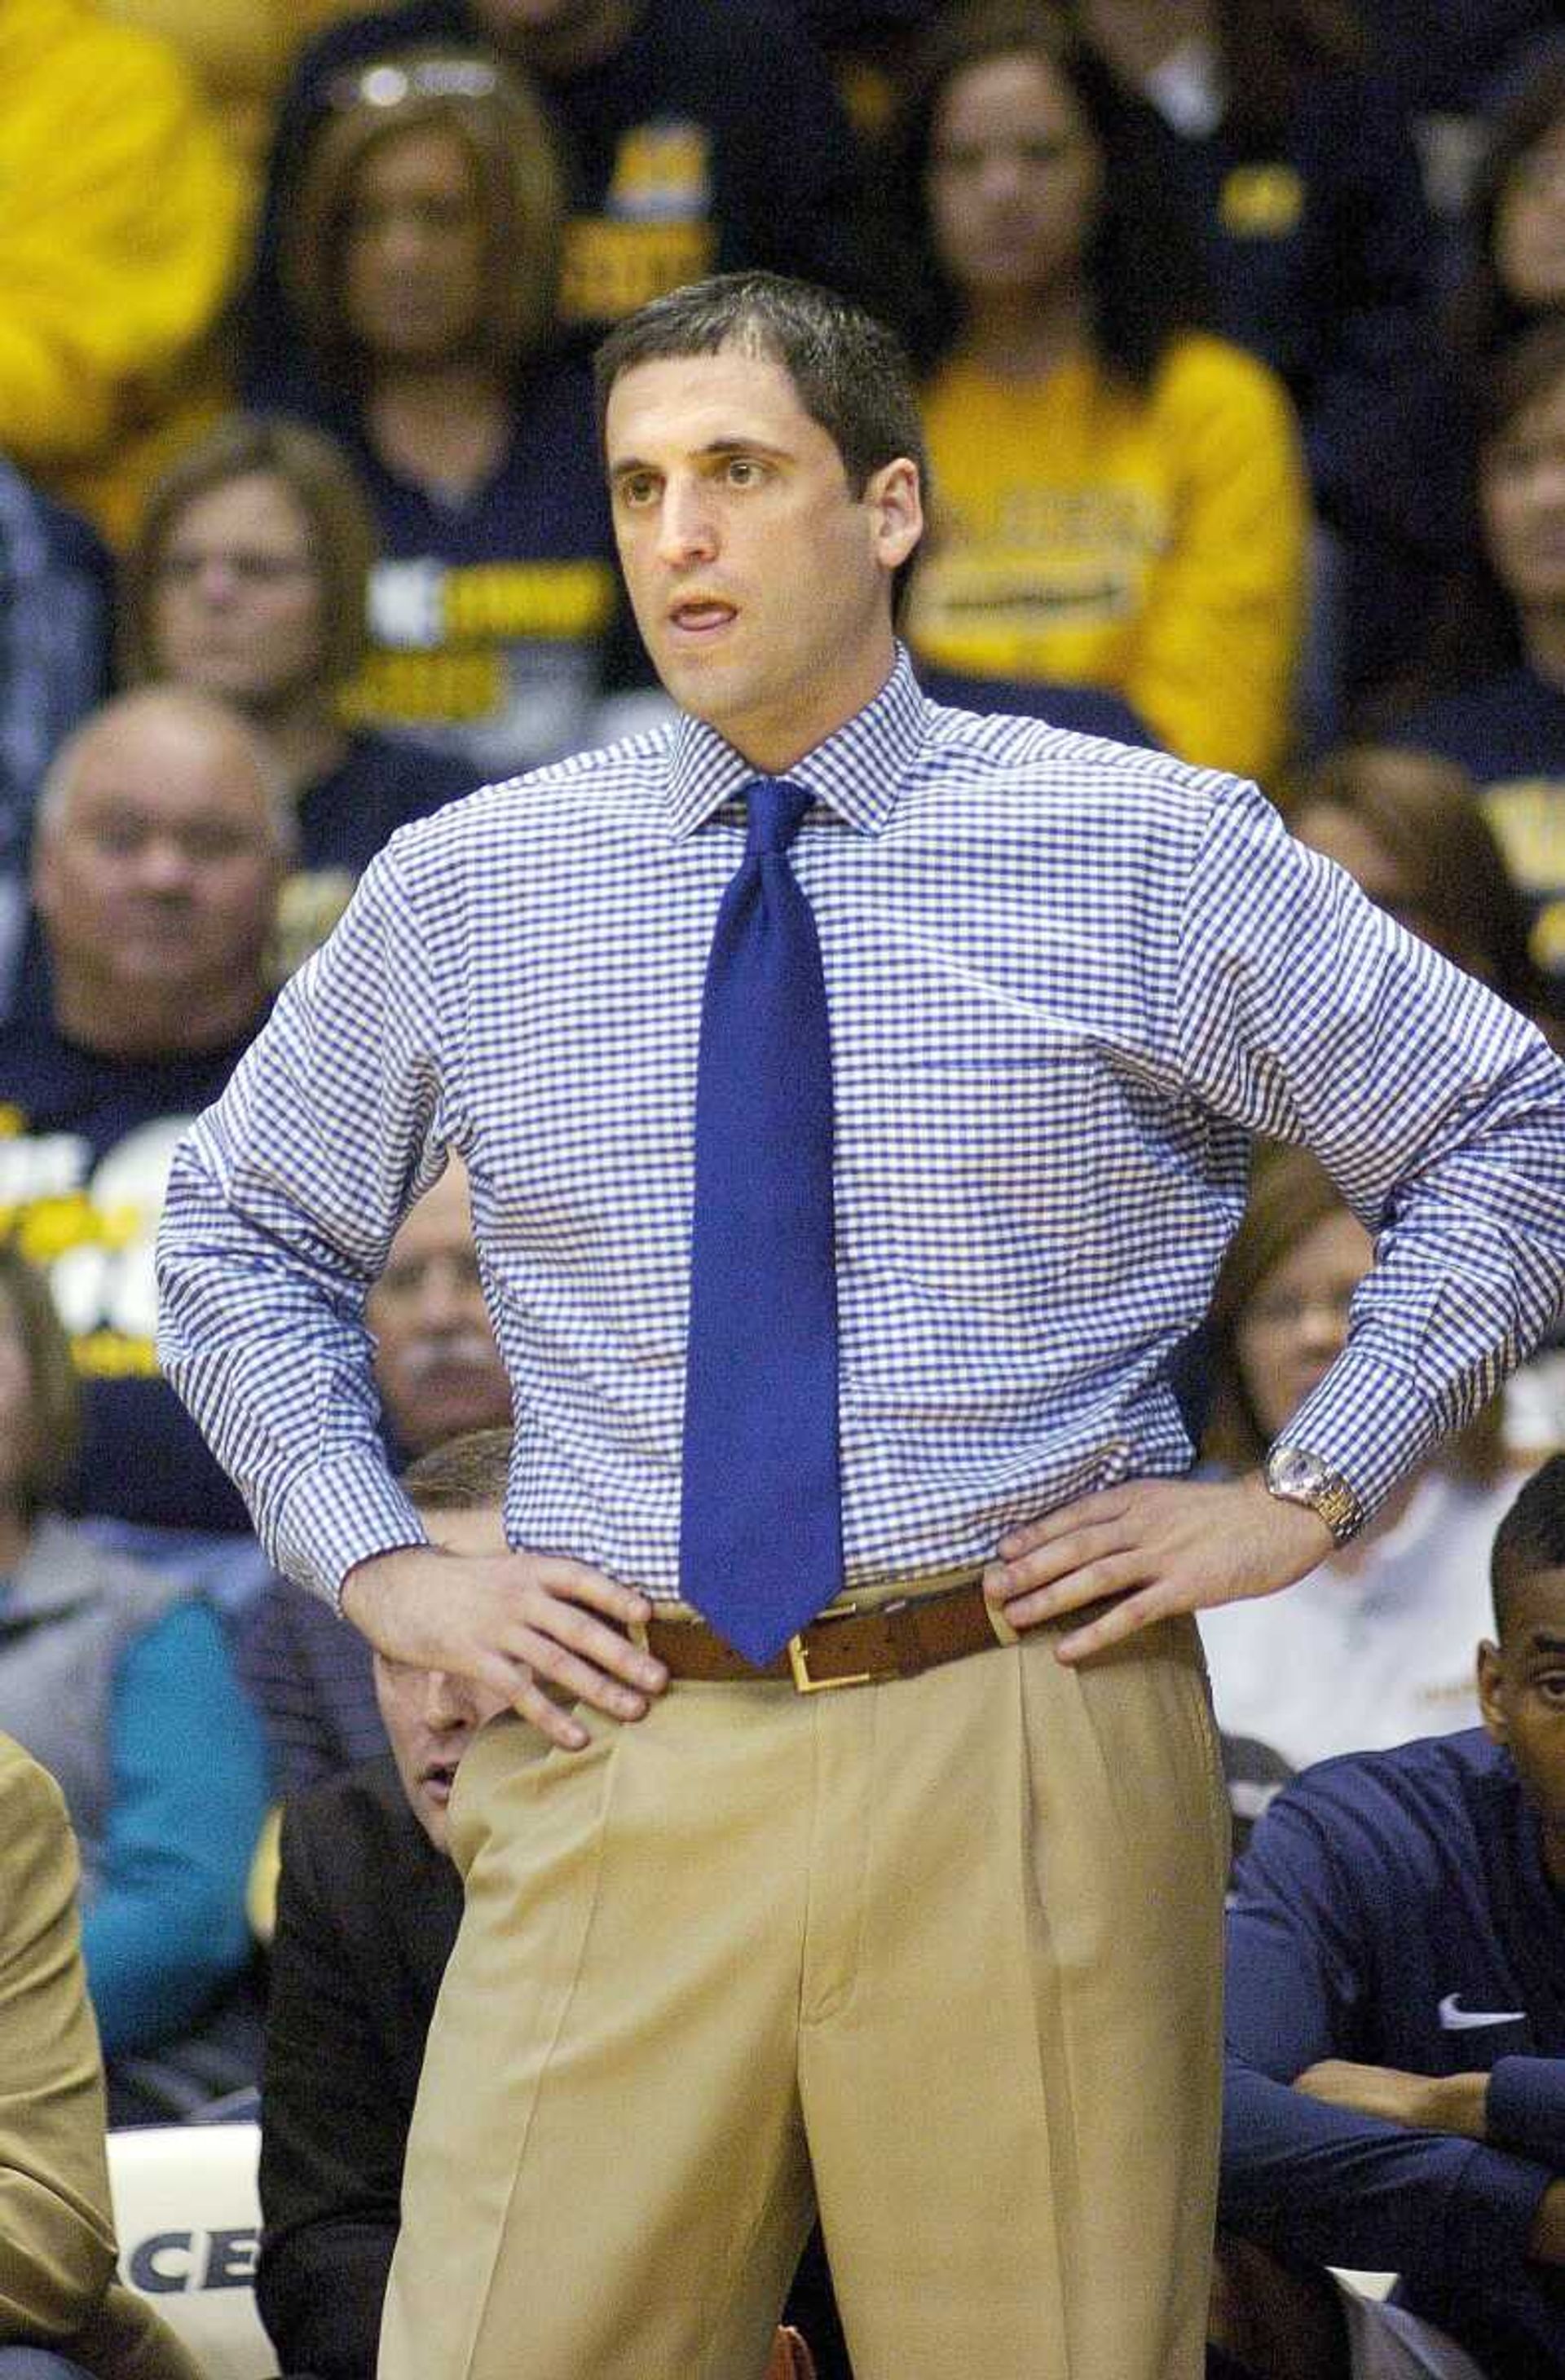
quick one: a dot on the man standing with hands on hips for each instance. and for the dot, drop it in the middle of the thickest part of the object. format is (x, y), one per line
(855, 1097)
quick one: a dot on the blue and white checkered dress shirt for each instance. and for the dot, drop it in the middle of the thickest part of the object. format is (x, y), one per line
(1066, 981)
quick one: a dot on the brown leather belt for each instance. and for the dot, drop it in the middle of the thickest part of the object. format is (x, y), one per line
(849, 1647)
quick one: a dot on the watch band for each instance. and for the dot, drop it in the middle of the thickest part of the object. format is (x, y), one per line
(1296, 1476)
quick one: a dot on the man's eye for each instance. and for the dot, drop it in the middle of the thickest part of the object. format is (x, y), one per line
(639, 490)
(741, 471)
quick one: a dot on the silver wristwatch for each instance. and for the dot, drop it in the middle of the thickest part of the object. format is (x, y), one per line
(1298, 1476)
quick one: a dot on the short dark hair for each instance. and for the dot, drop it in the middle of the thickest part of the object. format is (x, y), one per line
(850, 372)
(1530, 1537)
(462, 1475)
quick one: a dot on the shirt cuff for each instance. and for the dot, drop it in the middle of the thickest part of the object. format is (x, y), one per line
(1524, 2106)
(1368, 1422)
(341, 1513)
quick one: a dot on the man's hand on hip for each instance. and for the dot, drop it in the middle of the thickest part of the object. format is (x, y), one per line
(1158, 1547)
(541, 1631)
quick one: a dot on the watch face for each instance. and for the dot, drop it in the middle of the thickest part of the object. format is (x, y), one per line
(1292, 1472)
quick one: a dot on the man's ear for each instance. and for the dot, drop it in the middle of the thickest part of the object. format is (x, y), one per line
(1491, 1691)
(896, 510)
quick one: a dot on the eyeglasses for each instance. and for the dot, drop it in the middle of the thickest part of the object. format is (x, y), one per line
(249, 565)
(968, 158)
(392, 82)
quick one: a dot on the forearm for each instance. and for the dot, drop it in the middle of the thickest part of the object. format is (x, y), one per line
(1341, 2188)
(1456, 2104)
(1460, 2106)
(1438, 1111)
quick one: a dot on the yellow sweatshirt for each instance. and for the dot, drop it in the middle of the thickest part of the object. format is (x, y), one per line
(119, 227)
(241, 51)
(1152, 542)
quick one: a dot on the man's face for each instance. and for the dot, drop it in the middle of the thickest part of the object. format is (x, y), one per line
(159, 875)
(436, 1366)
(1522, 1692)
(432, 1717)
(761, 583)
(236, 604)
(416, 252)
(1522, 495)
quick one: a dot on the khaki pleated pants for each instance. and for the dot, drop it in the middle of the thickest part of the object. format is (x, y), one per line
(944, 1954)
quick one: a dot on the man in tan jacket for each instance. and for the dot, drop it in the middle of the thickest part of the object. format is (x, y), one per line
(57, 2289)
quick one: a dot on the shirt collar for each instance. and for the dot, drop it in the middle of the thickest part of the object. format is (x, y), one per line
(857, 771)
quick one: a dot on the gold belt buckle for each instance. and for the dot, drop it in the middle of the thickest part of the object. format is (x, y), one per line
(798, 1660)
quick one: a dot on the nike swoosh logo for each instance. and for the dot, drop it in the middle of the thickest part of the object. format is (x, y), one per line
(1460, 2020)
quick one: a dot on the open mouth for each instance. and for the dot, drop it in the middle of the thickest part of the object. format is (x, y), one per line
(699, 616)
(439, 1777)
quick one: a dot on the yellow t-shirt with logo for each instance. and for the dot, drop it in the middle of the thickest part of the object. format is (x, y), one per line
(1151, 543)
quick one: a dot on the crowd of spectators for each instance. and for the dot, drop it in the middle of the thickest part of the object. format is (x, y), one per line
(1241, 329)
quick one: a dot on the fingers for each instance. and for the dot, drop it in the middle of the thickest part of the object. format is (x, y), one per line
(589, 1664)
(550, 1717)
(580, 1585)
(1104, 1506)
(1086, 1562)
(568, 1654)
(1114, 1626)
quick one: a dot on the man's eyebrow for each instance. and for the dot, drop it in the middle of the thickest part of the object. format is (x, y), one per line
(1540, 1641)
(714, 449)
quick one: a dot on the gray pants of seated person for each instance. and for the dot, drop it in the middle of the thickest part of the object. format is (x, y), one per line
(38, 2363)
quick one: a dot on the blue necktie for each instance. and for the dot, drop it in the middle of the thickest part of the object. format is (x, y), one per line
(760, 1546)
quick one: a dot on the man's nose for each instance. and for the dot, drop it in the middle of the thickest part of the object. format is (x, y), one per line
(217, 581)
(687, 530)
(446, 1706)
(999, 176)
(442, 1295)
(162, 865)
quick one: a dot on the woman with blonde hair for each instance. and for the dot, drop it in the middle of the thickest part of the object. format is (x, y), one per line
(422, 258)
(248, 578)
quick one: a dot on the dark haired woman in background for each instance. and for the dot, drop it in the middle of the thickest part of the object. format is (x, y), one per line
(1497, 700)
(1118, 496)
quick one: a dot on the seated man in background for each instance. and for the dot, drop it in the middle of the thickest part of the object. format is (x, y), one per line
(62, 2314)
(1395, 2096)
(439, 1375)
(368, 1907)
(161, 842)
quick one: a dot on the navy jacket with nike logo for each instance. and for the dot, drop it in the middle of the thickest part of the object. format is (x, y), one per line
(1392, 1908)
